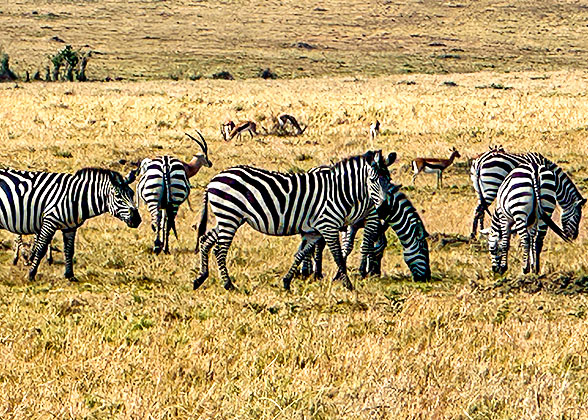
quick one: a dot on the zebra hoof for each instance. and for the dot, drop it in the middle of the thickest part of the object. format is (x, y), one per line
(73, 279)
(157, 250)
(347, 283)
(229, 286)
(305, 272)
(32, 276)
(50, 261)
(200, 279)
(286, 283)
(15, 261)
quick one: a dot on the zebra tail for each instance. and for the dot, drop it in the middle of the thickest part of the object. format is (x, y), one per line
(203, 221)
(542, 215)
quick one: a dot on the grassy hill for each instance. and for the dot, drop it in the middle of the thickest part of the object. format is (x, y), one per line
(183, 39)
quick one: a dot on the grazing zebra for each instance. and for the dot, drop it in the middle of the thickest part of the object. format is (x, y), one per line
(525, 201)
(489, 170)
(312, 204)
(164, 186)
(397, 212)
(41, 203)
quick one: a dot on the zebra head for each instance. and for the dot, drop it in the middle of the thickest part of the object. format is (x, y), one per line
(496, 249)
(119, 199)
(570, 218)
(378, 176)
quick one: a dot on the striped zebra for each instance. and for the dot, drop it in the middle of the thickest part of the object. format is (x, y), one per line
(374, 229)
(398, 213)
(524, 204)
(274, 203)
(42, 203)
(490, 169)
(164, 185)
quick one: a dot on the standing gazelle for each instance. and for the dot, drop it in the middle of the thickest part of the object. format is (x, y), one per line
(433, 165)
(239, 129)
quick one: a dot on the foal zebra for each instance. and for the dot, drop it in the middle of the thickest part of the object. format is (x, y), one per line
(41, 203)
(397, 212)
(525, 201)
(316, 204)
(164, 186)
(489, 170)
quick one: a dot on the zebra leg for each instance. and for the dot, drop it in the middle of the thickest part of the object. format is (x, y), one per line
(306, 269)
(331, 236)
(49, 255)
(160, 219)
(539, 237)
(69, 239)
(40, 249)
(319, 247)
(370, 233)
(225, 237)
(206, 244)
(305, 250)
(375, 260)
(478, 217)
(17, 247)
(526, 243)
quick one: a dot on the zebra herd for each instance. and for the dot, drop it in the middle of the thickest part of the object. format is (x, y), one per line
(318, 205)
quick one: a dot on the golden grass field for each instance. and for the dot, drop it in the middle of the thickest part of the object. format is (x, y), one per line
(146, 39)
(132, 340)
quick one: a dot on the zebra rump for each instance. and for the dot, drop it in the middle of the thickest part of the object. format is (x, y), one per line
(489, 171)
(525, 202)
(163, 186)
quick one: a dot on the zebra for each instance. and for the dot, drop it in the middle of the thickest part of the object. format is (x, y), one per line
(374, 229)
(164, 186)
(525, 201)
(397, 212)
(489, 170)
(41, 203)
(312, 204)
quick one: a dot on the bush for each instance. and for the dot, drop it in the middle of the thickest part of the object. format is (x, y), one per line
(6, 75)
(223, 75)
(267, 74)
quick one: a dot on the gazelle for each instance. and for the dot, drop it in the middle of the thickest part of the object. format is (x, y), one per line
(243, 127)
(226, 129)
(199, 160)
(283, 119)
(433, 165)
(374, 130)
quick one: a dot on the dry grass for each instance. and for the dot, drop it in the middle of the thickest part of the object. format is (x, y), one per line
(184, 38)
(132, 340)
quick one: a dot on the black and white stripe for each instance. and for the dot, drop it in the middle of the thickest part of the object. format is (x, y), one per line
(41, 203)
(524, 204)
(489, 170)
(311, 204)
(398, 213)
(163, 186)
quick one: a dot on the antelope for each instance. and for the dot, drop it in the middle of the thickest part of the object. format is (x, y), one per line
(199, 160)
(226, 129)
(283, 119)
(374, 130)
(433, 165)
(241, 128)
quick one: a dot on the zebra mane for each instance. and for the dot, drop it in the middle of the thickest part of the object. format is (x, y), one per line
(113, 175)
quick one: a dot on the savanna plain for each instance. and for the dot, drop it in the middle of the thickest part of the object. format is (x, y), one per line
(132, 340)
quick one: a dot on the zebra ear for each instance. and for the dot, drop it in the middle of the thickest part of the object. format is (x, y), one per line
(370, 156)
(131, 176)
(582, 202)
(390, 159)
